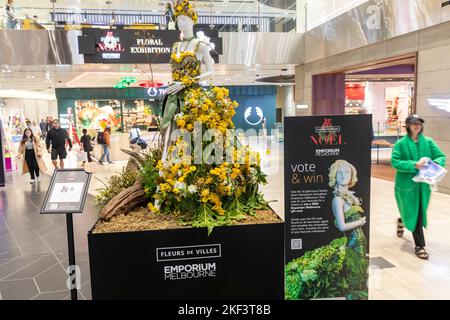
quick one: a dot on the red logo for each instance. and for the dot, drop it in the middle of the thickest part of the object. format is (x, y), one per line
(110, 43)
(328, 134)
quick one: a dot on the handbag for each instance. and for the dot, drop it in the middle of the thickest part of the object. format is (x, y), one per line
(135, 139)
(82, 156)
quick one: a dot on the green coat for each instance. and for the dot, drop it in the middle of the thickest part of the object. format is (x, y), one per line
(407, 192)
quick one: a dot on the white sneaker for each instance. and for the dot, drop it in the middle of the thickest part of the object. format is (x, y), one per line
(37, 179)
(32, 181)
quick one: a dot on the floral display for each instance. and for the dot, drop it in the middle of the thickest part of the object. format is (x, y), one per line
(210, 194)
(185, 68)
(202, 175)
(184, 8)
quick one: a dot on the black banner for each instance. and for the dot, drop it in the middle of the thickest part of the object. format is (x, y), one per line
(134, 46)
(327, 206)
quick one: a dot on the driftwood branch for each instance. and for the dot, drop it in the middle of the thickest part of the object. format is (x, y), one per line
(127, 200)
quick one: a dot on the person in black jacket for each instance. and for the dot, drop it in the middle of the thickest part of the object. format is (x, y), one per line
(86, 145)
(57, 138)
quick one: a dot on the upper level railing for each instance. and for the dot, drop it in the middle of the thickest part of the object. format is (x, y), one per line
(75, 17)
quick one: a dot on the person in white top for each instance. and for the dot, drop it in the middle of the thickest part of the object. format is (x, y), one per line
(134, 134)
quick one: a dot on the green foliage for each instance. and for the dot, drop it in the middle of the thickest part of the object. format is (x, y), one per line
(205, 217)
(235, 210)
(330, 271)
(114, 185)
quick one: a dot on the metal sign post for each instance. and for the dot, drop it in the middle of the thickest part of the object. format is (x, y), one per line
(67, 195)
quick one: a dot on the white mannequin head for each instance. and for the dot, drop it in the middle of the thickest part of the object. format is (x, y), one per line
(342, 174)
(186, 25)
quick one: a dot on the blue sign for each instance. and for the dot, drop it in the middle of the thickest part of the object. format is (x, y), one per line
(255, 107)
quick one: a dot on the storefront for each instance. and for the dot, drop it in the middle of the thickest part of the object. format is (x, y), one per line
(389, 102)
(385, 89)
(95, 108)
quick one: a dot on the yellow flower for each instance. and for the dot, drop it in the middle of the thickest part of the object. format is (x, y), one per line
(205, 193)
(181, 123)
(179, 8)
(205, 107)
(193, 168)
(190, 127)
(152, 208)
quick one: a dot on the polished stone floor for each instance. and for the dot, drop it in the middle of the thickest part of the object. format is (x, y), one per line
(33, 249)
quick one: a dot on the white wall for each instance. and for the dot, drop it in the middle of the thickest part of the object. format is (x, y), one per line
(321, 11)
(35, 110)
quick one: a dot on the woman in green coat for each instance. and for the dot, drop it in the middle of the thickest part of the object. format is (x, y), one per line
(409, 156)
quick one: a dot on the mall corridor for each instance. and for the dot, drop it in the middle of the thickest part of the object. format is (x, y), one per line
(235, 150)
(33, 249)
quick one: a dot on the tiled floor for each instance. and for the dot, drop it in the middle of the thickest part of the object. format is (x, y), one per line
(33, 249)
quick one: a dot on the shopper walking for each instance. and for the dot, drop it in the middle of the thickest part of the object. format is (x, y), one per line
(86, 145)
(11, 20)
(57, 137)
(106, 144)
(49, 124)
(31, 152)
(409, 156)
(43, 127)
(134, 134)
(36, 129)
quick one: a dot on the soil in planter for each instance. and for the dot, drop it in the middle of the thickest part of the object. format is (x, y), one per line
(143, 220)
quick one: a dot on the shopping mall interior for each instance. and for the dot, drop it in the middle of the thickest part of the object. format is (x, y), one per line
(113, 66)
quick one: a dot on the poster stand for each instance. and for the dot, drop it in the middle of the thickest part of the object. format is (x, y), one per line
(67, 195)
(327, 206)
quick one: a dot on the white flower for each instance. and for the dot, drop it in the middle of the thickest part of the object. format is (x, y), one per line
(180, 185)
(178, 116)
(192, 189)
(206, 40)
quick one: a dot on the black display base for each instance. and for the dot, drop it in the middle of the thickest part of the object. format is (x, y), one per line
(234, 262)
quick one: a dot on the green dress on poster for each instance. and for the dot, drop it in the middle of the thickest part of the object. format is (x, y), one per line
(339, 269)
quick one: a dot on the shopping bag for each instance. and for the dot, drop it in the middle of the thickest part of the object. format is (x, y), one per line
(82, 156)
(431, 173)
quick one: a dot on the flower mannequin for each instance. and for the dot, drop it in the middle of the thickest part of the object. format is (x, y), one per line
(201, 184)
(187, 56)
(188, 44)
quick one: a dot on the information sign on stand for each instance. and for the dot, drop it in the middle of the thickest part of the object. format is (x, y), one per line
(67, 195)
(327, 206)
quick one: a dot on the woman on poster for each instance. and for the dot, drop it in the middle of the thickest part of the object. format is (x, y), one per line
(340, 268)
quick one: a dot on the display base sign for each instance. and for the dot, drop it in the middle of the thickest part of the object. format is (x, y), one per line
(234, 262)
(327, 206)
